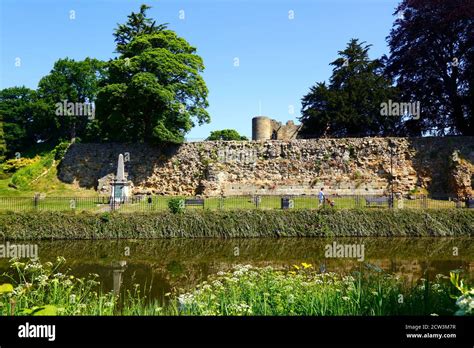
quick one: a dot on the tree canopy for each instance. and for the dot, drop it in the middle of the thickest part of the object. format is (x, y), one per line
(226, 134)
(18, 110)
(153, 92)
(137, 24)
(74, 82)
(431, 60)
(350, 104)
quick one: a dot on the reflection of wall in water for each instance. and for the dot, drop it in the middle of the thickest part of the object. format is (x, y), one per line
(411, 270)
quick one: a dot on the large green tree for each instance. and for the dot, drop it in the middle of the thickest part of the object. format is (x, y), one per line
(18, 111)
(154, 91)
(432, 61)
(350, 104)
(69, 81)
(29, 116)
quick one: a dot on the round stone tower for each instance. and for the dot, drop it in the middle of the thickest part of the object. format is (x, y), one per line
(261, 128)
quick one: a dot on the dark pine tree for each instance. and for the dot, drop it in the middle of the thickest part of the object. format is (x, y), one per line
(431, 60)
(350, 104)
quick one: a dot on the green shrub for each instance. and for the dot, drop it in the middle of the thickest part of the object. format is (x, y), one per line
(14, 164)
(176, 205)
(105, 217)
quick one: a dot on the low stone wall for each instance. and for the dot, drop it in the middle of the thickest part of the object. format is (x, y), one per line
(441, 166)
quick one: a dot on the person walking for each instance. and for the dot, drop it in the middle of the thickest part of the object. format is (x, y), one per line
(321, 196)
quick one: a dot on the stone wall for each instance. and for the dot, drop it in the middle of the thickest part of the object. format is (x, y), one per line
(344, 166)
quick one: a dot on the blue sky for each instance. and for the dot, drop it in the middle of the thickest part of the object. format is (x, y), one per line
(279, 57)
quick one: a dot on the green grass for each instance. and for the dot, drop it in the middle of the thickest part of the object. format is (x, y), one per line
(26, 175)
(40, 176)
(40, 289)
(48, 184)
(59, 198)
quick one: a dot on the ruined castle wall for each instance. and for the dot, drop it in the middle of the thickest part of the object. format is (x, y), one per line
(288, 131)
(343, 166)
(262, 128)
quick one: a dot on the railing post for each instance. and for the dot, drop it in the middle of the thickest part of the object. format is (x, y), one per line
(357, 201)
(221, 202)
(257, 201)
(400, 202)
(35, 200)
(424, 202)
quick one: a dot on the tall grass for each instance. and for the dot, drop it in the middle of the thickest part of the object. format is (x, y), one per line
(236, 224)
(41, 289)
(249, 291)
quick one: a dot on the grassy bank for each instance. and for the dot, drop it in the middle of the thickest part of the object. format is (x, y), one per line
(36, 171)
(236, 224)
(41, 289)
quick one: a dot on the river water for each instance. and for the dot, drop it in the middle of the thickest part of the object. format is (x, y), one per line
(161, 265)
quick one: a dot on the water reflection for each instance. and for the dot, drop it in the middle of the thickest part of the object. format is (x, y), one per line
(118, 269)
(159, 266)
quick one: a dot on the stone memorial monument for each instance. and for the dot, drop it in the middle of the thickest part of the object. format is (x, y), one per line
(120, 186)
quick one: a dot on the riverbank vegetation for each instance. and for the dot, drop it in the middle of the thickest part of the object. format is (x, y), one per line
(34, 288)
(236, 224)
